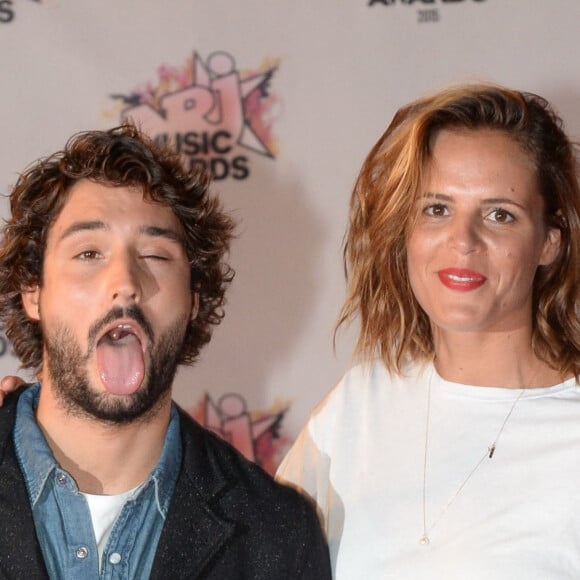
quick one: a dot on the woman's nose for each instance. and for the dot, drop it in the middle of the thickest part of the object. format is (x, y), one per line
(465, 236)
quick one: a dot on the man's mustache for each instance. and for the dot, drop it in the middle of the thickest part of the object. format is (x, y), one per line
(116, 313)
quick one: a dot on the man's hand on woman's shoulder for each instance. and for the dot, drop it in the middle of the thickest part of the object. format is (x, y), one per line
(8, 384)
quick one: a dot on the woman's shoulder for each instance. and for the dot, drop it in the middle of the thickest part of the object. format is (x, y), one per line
(366, 385)
(374, 375)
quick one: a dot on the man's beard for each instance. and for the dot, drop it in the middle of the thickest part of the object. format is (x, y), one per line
(67, 369)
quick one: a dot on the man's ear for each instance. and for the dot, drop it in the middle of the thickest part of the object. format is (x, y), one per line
(31, 302)
(194, 305)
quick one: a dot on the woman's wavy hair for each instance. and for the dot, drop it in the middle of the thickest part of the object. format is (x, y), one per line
(392, 324)
(120, 157)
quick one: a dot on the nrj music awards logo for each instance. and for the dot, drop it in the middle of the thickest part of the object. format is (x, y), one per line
(214, 114)
(255, 434)
(427, 10)
(8, 10)
(5, 346)
(417, 2)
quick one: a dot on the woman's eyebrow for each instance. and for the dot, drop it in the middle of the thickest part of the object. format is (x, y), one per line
(439, 196)
(502, 201)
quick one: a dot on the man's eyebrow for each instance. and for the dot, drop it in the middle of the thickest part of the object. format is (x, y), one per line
(159, 232)
(83, 227)
(154, 231)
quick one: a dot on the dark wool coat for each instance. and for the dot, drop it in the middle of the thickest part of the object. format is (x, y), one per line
(227, 520)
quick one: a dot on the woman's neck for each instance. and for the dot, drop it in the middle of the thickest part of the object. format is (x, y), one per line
(493, 360)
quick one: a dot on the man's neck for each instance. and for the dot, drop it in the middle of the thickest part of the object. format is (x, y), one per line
(102, 458)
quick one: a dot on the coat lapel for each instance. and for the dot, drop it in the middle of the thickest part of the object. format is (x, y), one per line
(193, 532)
(191, 537)
(20, 554)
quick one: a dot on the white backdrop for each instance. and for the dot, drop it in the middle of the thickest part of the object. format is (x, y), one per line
(336, 71)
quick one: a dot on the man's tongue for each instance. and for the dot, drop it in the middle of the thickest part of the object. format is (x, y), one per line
(120, 362)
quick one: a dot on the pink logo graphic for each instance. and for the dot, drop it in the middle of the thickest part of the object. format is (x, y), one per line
(214, 114)
(256, 435)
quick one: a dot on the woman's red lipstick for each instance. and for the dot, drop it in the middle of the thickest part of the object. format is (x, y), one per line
(461, 279)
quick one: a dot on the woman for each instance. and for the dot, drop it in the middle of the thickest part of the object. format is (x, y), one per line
(452, 451)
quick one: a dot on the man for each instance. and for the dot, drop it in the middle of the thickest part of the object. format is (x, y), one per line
(111, 274)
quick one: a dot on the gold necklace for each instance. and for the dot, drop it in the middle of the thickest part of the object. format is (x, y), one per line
(424, 539)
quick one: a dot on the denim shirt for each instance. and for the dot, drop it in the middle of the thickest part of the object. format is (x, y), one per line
(61, 514)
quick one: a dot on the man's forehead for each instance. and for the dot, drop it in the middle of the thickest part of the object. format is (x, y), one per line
(95, 206)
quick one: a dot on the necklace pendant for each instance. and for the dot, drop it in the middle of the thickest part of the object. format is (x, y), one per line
(424, 540)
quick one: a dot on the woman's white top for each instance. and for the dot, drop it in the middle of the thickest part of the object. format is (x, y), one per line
(361, 457)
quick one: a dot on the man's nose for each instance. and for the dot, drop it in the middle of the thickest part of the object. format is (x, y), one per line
(125, 279)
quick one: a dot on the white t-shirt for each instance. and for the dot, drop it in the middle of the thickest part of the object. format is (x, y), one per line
(104, 512)
(361, 458)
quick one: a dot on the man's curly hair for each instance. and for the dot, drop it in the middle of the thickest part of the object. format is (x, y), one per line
(120, 157)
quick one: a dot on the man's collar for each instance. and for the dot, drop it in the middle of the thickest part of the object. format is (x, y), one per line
(34, 455)
(37, 461)
(167, 469)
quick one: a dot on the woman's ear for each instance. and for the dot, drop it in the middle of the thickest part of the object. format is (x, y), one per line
(31, 302)
(551, 247)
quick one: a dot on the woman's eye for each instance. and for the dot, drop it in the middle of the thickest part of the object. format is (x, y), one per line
(501, 216)
(435, 210)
